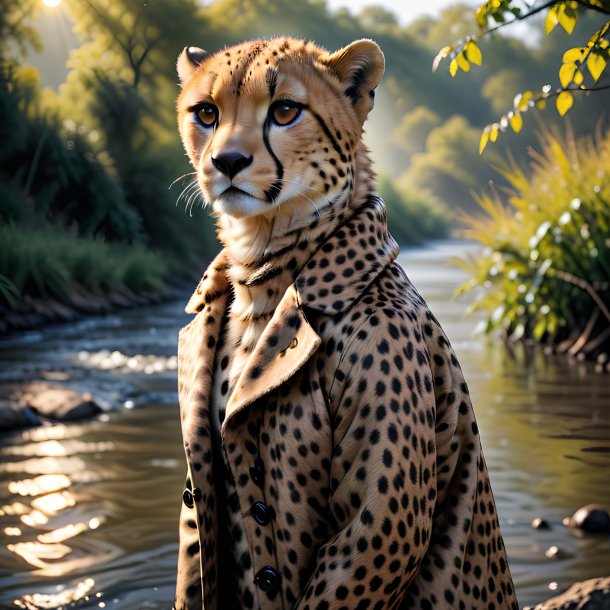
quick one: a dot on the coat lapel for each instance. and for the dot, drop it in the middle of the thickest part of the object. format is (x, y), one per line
(285, 345)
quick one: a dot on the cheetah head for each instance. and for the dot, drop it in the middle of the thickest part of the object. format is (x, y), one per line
(274, 123)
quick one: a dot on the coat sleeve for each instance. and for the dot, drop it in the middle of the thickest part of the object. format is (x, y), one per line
(383, 479)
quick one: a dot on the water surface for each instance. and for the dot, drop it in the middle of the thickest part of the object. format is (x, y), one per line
(89, 511)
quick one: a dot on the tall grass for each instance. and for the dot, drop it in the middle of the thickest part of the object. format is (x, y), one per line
(50, 262)
(545, 269)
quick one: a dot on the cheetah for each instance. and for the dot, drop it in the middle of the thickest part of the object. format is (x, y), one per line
(333, 457)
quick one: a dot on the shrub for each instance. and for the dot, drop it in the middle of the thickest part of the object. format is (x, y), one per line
(545, 269)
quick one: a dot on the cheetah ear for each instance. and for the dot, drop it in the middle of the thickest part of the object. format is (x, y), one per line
(359, 66)
(190, 59)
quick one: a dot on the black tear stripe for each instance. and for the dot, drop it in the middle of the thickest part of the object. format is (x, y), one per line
(273, 192)
(329, 135)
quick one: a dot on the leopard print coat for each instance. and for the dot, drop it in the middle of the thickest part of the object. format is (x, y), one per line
(351, 442)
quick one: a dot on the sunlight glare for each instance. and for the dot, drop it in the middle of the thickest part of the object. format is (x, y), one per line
(51, 3)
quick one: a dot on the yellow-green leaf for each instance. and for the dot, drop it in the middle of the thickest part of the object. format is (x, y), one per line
(596, 65)
(573, 55)
(541, 104)
(516, 122)
(481, 16)
(567, 18)
(493, 132)
(578, 77)
(484, 140)
(565, 100)
(566, 74)
(440, 56)
(453, 67)
(463, 62)
(522, 100)
(551, 20)
(474, 53)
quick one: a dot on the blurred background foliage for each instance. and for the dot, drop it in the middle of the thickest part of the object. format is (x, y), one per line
(89, 145)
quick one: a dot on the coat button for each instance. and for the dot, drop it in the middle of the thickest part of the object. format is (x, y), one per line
(261, 513)
(187, 498)
(267, 579)
(190, 497)
(257, 472)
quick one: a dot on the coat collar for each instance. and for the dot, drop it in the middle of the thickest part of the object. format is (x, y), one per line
(346, 263)
(330, 282)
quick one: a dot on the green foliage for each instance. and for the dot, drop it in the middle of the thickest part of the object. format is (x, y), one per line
(48, 262)
(592, 58)
(449, 166)
(52, 173)
(413, 215)
(545, 269)
(123, 87)
(414, 128)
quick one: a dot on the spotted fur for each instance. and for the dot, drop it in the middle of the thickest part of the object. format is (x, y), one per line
(333, 457)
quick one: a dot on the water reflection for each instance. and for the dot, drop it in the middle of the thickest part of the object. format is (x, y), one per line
(106, 360)
(46, 522)
(57, 600)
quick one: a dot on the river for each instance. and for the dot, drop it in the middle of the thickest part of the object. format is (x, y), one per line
(89, 510)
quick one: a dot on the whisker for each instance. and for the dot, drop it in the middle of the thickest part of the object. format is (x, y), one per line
(185, 192)
(180, 178)
(303, 195)
(191, 200)
(297, 175)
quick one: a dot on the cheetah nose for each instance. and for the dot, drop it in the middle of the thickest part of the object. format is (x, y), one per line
(231, 163)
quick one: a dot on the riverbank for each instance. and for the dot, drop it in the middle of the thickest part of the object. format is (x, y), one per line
(31, 313)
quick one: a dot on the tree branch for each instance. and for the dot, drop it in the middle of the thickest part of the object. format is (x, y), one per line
(533, 12)
(583, 285)
(593, 7)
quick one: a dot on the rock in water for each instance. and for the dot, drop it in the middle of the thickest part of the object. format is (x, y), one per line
(590, 518)
(13, 416)
(540, 524)
(63, 405)
(591, 594)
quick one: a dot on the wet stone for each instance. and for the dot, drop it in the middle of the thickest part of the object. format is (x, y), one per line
(590, 518)
(13, 416)
(62, 404)
(540, 524)
(553, 552)
(591, 594)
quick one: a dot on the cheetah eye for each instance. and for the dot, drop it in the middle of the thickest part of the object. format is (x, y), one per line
(285, 112)
(206, 115)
